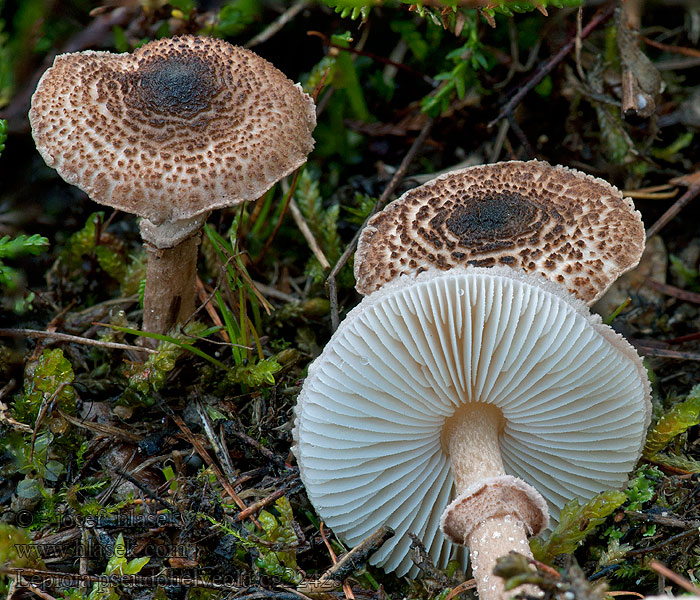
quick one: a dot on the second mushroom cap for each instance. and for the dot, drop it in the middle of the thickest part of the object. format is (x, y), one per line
(569, 227)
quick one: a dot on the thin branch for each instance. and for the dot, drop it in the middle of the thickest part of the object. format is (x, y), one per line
(101, 428)
(672, 290)
(256, 506)
(599, 18)
(73, 339)
(666, 542)
(348, 563)
(308, 235)
(278, 24)
(219, 449)
(653, 351)
(395, 180)
(672, 49)
(677, 206)
(679, 580)
(192, 439)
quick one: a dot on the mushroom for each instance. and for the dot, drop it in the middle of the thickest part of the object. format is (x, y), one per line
(487, 386)
(571, 228)
(180, 127)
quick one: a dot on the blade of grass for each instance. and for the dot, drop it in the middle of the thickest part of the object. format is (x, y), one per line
(231, 327)
(166, 338)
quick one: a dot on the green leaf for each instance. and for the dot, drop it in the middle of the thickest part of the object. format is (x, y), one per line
(135, 565)
(352, 8)
(121, 44)
(640, 488)
(575, 523)
(678, 461)
(676, 421)
(253, 374)
(46, 379)
(29, 488)
(117, 562)
(684, 272)
(186, 6)
(672, 152)
(235, 16)
(612, 139)
(3, 134)
(17, 548)
(22, 245)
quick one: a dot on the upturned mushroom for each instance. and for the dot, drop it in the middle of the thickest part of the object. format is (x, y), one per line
(574, 229)
(170, 132)
(475, 399)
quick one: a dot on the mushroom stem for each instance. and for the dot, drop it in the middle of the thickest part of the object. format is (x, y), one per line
(171, 275)
(493, 513)
(171, 272)
(491, 539)
(471, 435)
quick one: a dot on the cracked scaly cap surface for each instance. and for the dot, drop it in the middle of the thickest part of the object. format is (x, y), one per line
(177, 128)
(573, 229)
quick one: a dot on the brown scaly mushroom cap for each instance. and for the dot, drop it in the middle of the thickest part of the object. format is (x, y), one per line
(572, 228)
(179, 127)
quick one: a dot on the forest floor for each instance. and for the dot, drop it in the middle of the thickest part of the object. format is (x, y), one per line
(175, 464)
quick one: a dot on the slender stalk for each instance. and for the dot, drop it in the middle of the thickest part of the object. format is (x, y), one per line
(472, 438)
(171, 276)
(492, 513)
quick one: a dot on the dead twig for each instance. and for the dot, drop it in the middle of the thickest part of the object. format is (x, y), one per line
(671, 49)
(641, 82)
(347, 590)
(139, 484)
(73, 339)
(267, 500)
(219, 449)
(598, 19)
(192, 439)
(680, 581)
(672, 290)
(35, 590)
(677, 207)
(101, 428)
(469, 584)
(653, 351)
(278, 23)
(348, 563)
(663, 520)
(655, 192)
(397, 177)
(308, 235)
(520, 134)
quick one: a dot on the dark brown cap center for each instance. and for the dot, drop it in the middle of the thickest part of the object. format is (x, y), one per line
(179, 85)
(488, 222)
(491, 216)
